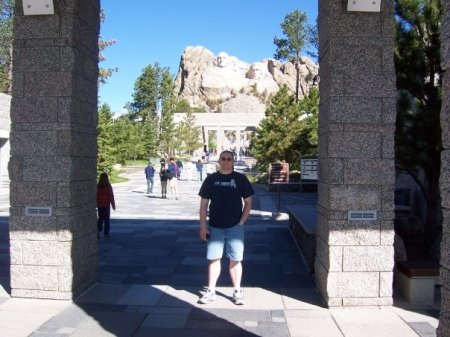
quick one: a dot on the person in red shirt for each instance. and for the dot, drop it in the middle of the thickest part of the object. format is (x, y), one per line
(105, 199)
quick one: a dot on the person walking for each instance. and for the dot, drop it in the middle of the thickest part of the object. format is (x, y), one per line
(105, 200)
(199, 166)
(163, 176)
(180, 168)
(149, 174)
(225, 192)
(173, 182)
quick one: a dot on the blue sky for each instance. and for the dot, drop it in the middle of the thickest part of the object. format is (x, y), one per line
(149, 31)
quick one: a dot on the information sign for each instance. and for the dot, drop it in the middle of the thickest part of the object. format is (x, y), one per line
(308, 167)
(279, 173)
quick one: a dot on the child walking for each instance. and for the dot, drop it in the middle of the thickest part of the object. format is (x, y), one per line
(105, 198)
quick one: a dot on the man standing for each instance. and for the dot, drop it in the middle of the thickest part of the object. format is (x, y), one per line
(224, 192)
(149, 174)
(173, 183)
(199, 167)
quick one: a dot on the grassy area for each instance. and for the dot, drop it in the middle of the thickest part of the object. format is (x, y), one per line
(117, 179)
(136, 163)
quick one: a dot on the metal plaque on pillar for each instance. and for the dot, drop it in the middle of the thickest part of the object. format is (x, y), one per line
(38, 7)
(363, 5)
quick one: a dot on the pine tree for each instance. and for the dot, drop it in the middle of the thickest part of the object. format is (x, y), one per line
(297, 34)
(418, 142)
(189, 134)
(146, 95)
(283, 135)
(6, 23)
(104, 73)
(105, 157)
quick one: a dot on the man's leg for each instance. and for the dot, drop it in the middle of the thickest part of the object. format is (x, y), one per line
(214, 254)
(235, 253)
(148, 185)
(175, 187)
(236, 273)
(213, 273)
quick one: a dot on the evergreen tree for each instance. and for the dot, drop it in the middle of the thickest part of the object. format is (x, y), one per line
(150, 135)
(105, 157)
(418, 143)
(147, 92)
(123, 139)
(297, 34)
(313, 41)
(189, 134)
(6, 23)
(170, 105)
(104, 73)
(309, 106)
(284, 134)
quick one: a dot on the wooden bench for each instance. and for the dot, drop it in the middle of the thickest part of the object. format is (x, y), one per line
(416, 280)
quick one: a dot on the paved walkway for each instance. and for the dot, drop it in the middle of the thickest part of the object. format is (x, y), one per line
(153, 269)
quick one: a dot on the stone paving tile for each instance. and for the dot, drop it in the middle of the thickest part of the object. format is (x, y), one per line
(181, 280)
(423, 329)
(231, 315)
(213, 323)
(154, 252)
(377, 322)
(183, 297)
(273, 329)
(165, 320)
(68, 319)
(93, 307)
(141, 294)
(163, 310)
(416, 316)
(103, 293)
(163, 271)
(21, 323)
(109, 324)
(300, 280)
(194, 261)
(294, 298)
(159, 332)
(312, 323)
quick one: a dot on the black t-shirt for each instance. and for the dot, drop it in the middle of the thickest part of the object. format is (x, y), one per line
(225, 193)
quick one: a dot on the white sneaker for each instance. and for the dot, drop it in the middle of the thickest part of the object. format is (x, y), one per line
(207, 297)
(238, 297)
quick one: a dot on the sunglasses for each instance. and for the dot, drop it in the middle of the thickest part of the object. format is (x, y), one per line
(226, 158)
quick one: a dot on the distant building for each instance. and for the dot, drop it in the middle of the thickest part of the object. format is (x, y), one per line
(228, 131)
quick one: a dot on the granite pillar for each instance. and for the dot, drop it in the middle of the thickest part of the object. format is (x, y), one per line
(444, 319)
(53, 151)
(355, 257)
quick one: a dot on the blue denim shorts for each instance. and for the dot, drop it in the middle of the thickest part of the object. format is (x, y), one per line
(231, 238)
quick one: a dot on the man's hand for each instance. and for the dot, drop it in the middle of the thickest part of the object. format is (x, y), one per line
(203, 233)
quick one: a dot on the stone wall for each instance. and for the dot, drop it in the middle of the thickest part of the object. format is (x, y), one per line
(444, 321)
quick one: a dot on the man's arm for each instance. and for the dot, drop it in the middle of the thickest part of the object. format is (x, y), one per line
(246, 210)
(203, 210)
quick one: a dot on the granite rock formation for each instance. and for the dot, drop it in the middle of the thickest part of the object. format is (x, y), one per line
(223, 83)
